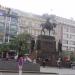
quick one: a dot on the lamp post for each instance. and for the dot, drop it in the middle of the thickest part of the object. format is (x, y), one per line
(60, 48)
(36, 54)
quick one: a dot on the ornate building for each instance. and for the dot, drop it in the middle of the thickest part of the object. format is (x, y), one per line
(13, 22)
(65, 32)
(8, 24)
(30, 23)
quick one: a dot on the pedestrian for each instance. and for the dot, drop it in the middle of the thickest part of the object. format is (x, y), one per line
(43, 63)
(20, 62)
(59, 62)
(7, 56)
(34, 61)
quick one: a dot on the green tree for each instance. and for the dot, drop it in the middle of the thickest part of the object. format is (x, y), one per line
(4, 47)
(21, 43)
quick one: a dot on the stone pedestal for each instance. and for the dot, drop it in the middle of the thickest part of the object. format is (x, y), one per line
(46, 46)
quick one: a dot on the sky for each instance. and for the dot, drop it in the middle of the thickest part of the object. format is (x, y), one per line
(62, 8)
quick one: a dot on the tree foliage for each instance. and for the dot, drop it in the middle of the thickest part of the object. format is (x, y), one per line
(21, 43)
(4, 47)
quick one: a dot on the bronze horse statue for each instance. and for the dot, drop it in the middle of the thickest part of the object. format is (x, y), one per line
(47, 25)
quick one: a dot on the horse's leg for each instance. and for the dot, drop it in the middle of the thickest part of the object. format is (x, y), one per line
(44, 32)
(41, 32)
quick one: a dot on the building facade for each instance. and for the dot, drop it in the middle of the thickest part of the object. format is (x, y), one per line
(8, 24)
(13, 22)
(65, 32)
(30, 23)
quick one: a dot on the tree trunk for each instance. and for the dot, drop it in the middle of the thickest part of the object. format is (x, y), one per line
(7, 56)
(2, 55)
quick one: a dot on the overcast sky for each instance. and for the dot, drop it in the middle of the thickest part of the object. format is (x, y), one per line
(63, 8)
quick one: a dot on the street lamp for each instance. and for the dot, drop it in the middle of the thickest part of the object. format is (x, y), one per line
(36, 53)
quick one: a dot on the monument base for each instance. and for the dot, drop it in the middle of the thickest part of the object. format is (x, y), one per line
(46, 46)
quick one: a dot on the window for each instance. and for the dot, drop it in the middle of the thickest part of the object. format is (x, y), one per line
(13, 23)
(1, 39)
(14, 13)
(14, 20)
(65, 28)
(12, 36)
(65, 41)
(30, 23)
(64, 47)
(71, 42)
(2, 27)
(1, 18)
(13, 28)
(39, 32)
(2, 34)
(72, 48)
(8, 18)
(65, 35)
(13, 32)
(33, 32)
(72, 30)
(7, 27)
(6, 39)
(72, 36)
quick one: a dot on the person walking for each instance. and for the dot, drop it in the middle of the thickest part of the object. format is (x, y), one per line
(20, 62)
(43, 63)
(59, 62)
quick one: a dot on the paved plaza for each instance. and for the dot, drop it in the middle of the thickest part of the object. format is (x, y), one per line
(48, 71)
(24, 74)
(60, 71)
